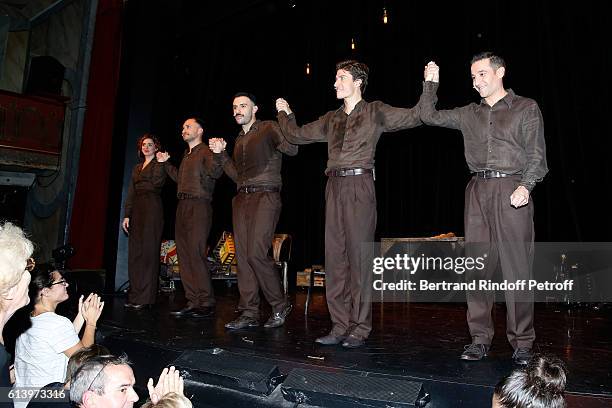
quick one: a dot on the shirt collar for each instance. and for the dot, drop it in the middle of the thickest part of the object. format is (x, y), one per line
(254, 126)
(356, 109)
(194, 149)
(508, 99)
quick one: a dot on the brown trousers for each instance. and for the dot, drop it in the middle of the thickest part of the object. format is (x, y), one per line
(146, 227)
(506, 235)
(255, 216)
(350, 221)
(193, 221)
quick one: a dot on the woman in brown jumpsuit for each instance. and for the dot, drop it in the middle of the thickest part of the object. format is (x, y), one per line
(144, 224)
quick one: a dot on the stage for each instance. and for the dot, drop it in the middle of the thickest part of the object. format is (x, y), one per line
(418, 342)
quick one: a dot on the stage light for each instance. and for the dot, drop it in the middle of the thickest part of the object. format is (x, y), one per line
(307, 68)
(385, 18)
(352, 43)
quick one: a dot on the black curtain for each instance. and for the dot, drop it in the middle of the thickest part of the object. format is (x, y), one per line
(558, 56)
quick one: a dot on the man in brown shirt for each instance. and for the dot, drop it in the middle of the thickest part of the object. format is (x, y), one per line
(506, 152)
(256, 169)
(196, 179)
(351, 133)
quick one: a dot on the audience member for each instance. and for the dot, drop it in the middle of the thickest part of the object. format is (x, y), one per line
(108, 382)
(42, 351)
(15, 266)
(539, 385)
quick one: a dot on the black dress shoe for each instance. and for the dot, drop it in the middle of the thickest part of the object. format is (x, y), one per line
(136, 306)
(183, 312)
(278, 319)
(522, 355)
(353, 341)
(475, 352)
(242, 323)
(201, 312)
(330, 340)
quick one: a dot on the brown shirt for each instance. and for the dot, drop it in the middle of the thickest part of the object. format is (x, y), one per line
(151, 179)
(506, 137)
(197, 173)
(257, 157)
(351, 139)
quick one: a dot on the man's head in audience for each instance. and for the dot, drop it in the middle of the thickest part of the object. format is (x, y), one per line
(539, 385)
(104, 382)
(80, 357)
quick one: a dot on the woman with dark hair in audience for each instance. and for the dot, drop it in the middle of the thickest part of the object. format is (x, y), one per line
(144, 223)
(42, 351)
(539, 385)
(15, 267)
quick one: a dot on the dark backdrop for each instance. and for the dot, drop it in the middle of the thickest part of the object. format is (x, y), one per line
(204, 52)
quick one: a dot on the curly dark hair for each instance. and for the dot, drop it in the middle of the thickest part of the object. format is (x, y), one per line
(142, 138)
(357, 69)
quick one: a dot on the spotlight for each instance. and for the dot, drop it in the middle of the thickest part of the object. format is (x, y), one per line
(291, 3)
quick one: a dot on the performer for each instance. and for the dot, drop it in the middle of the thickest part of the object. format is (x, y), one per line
(144, 223)
(351, 133)
(506, 152)
(196, 178)
(256, 169)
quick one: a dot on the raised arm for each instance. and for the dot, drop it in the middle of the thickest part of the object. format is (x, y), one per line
(213, 167)
(282, 145)
(159, 175)
(217, 146)
(394, 119)
(309, 133)
(171, 171)
(429, 115)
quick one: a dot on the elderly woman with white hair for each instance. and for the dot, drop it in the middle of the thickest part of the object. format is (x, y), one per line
(15, 266)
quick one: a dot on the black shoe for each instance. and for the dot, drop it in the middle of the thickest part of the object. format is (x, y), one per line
(242, 322)
(201, 312)
(475, 352)
(136, 306)
(183, 312)
(330, 340)
(522, 356)
(278, 319)
(353, 341)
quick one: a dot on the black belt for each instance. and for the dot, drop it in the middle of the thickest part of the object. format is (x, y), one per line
(259, 189)
(348, 172)
(187, 196)
(487, 174)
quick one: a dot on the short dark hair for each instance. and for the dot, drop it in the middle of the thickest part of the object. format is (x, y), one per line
(197, 120)
(357, 69)
(42, 277)
(142, 138)
(495, 60)
(540, 384)
(248, 95)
